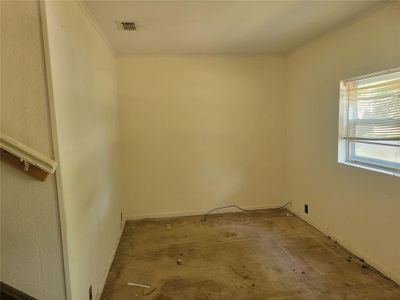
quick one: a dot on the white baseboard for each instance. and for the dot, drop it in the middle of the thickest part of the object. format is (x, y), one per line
(109, 264)
(198, 212)
(370, 261)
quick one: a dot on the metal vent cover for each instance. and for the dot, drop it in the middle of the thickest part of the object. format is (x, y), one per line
(126, 25)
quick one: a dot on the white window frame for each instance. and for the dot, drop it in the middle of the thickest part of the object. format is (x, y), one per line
(346, 147)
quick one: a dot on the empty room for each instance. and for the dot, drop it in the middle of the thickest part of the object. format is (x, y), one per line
(200, 150)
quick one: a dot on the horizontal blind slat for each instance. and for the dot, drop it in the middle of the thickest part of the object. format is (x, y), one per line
(373, 109)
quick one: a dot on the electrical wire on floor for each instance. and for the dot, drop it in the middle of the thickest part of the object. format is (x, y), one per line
(243, 209)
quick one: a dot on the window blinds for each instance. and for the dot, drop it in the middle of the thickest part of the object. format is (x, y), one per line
(372, 109)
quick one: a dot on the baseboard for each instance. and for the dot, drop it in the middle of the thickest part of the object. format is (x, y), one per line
(197, 213)
(370, 261)
(110, 261)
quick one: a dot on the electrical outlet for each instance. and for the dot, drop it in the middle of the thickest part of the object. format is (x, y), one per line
(306, 208)
(90, 293)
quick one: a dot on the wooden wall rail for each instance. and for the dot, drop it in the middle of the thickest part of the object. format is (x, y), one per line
(25, 159)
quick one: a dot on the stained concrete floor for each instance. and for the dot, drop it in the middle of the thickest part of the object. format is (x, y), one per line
(257, 255)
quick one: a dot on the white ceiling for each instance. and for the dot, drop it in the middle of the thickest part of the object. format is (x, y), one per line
(179, 27)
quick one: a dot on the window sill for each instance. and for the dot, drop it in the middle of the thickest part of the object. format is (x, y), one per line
(371, 168)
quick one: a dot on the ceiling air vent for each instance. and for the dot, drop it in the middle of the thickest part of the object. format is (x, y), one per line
(128, 26)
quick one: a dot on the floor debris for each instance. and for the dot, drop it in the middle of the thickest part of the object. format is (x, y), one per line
(148, 292)
(139, 285)
(230, 234)
(244, 274)
(179, 261)
(274, 249)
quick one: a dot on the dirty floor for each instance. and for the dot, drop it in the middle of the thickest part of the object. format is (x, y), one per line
(255, 255)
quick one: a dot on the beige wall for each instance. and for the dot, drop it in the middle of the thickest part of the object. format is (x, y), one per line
(31, 256)
(200, 132)
(197, 132)
(360, 208)
(84, 87)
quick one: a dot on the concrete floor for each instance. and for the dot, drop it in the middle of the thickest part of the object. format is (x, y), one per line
(258, 255)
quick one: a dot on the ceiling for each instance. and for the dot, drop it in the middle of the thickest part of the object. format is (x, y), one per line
(232, 27)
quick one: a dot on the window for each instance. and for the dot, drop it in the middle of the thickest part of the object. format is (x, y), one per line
(369, 122)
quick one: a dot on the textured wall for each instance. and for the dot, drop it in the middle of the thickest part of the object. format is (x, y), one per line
(84, 87)
(360, 208)
(200, 132)
(31, 256)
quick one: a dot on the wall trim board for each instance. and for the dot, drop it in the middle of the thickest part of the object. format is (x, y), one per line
(110, 261)
(349, 247)
(56, 152)
(197, 212)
